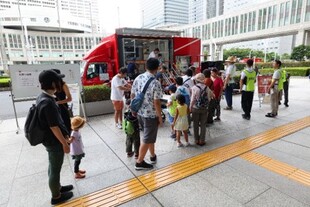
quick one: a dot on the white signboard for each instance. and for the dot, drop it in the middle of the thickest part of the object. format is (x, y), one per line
(74, 90)
(27, 79)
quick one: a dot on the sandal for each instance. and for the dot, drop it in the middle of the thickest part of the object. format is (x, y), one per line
(270, 115)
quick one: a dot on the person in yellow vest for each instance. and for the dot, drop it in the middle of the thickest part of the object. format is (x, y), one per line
(247, 87)
(285, 79)
(273, 89)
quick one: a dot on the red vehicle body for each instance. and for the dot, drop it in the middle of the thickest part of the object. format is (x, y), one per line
(101, 63)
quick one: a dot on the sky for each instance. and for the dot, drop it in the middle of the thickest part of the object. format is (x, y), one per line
(130, 14)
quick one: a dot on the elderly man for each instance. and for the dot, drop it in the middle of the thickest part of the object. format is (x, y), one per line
(229, 81)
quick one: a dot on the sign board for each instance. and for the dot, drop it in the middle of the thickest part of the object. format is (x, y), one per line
(24, 78)
(263, 81)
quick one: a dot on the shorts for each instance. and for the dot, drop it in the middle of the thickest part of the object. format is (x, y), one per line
(150, 128)
(118, 105)
(170, 119)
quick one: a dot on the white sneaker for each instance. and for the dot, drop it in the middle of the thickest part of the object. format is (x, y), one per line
(119, 126)
(186, 144)
(179, 144)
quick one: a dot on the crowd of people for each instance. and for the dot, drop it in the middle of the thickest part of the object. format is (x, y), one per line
(194, 101)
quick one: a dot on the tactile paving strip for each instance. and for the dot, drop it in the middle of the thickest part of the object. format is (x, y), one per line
(133, 188)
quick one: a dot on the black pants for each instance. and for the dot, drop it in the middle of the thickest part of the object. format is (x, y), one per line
(77, 165)
(211, 110)
(285, 90)
(134, 140)
(246, 102)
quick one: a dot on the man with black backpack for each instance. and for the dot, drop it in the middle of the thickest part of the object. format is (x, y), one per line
(200, 98)
(54, 141)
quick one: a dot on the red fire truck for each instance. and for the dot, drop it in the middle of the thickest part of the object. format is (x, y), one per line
(101, 63)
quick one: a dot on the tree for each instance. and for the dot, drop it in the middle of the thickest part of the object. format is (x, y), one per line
(242, 53)
(285, 56)
(300, 52)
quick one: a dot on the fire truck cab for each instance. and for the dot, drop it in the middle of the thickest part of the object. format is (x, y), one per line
(101, 63)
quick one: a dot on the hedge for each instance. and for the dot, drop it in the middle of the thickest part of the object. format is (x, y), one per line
(240, 66)
(96, 93)
(291, 71)
(4, 82)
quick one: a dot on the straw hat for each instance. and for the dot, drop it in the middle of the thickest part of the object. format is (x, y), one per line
(200, 77)
(77, 122)
(231, 59)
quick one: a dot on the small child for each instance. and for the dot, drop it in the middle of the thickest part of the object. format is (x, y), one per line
(76, 146)
(131, 128)
(180, 123)
(172, 106)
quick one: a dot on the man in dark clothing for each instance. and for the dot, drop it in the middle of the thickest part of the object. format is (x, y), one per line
(55, 142)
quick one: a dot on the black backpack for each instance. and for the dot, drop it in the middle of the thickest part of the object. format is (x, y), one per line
(33, 130)
(202, 102)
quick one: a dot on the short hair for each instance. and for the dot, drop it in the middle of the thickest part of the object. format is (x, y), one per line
(207, 73)
(193, 68)
(122, 70)
(152, 64)
(179, 81)
(189, 72)
(180, 98)
(215, 70)
(278, 62)
(159, 55)
(250, 62)
(156, 49)
(164, 67)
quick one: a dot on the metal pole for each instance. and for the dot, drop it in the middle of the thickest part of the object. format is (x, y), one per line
(118, 18)
(22, 27)
(60, 34)
(91, 23)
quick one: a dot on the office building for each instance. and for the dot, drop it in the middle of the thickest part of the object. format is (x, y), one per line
(200, 10)
(163, 13)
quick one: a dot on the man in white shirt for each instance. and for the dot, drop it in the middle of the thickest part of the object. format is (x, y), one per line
(154, 54)
(118, 86)
(229, 81)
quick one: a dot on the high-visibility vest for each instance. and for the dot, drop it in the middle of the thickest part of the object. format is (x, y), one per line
(250, 80)
(284, 75)
(280, 81)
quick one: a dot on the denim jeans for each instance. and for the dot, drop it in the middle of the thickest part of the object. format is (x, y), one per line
(228, 94)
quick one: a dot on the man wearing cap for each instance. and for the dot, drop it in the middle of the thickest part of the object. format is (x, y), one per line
(229, 81)
(55, 142)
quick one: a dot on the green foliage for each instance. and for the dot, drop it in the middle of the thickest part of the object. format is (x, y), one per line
(4, 82)
(291, 71)
(96, 93)
(300, 52)
(247, 52)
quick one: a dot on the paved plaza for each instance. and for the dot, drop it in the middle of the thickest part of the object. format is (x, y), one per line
(235, 182)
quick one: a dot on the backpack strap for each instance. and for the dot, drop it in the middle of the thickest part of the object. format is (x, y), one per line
(147, 84)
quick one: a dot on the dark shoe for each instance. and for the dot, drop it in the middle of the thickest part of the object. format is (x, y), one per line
(228, 108)
(202, 143)
(66, 188)
(279, 102)
(63, 197)
(243, 116)
(153, 159)
(247, 117)
(173, 136)
(130, 154)
(143, 166)
(286, 105)
(217, 119)
(270, 115)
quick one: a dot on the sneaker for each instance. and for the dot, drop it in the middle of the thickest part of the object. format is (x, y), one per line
(66, 188)
(228, 108)
(79, 175)
(119, 126)
(63, 197)
(186, 144)
(173, 136)
(179, 144)
(285, 104)
(130, 154)
(143, 166)
(153, 159)
(217, 119)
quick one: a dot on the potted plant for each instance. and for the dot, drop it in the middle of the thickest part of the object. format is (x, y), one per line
(96, 100)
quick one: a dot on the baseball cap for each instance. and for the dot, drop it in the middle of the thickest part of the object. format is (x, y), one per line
(48, 76)
(172, 87)
(59, 73)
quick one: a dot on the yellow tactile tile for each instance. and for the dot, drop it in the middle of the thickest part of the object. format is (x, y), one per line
(133, 188)
(278, 167)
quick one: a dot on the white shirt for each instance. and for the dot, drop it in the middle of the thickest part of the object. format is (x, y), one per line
(152, 55)
(230, 70)
(188, 82)
(116, 92)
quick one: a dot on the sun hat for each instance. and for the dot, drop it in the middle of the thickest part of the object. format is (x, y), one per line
(200, 77)
(231, 59)
(77, 122)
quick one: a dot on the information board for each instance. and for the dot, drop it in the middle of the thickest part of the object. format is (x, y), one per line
(263, 81)
(24, 78)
